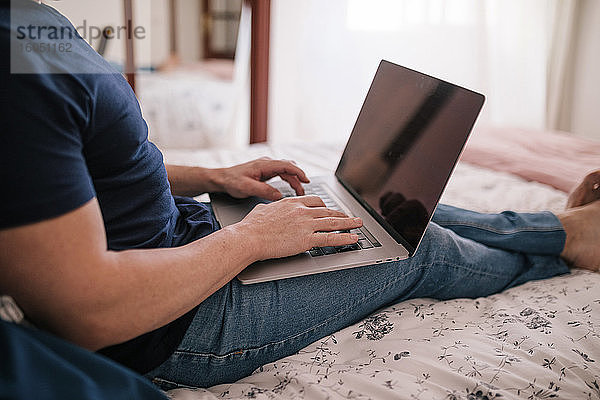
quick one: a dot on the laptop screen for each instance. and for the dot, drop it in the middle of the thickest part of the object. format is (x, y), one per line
(406, 141)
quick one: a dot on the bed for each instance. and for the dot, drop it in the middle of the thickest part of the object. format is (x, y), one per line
(190, 108)
(540, 340)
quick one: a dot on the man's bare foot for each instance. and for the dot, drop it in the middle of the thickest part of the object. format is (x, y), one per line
(587, 191)
(582, 226)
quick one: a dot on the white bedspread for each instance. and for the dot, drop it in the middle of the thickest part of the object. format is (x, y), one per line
(186, 109)
(540, 340)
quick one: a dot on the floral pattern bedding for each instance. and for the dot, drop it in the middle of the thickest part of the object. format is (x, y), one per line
(540, 340)
(537, 341)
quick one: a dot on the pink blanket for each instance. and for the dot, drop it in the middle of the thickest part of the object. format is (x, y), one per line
(557, 159)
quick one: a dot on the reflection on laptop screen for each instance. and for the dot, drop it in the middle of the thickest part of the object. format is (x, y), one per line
(404, 145)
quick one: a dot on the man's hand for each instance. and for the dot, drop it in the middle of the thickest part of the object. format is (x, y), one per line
(249, 179)
(244, 180)
(291, 226)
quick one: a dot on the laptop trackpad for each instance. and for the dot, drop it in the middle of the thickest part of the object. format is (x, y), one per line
(230, 210)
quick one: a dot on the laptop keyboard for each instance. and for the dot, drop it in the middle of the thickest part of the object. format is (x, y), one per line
(365, 239)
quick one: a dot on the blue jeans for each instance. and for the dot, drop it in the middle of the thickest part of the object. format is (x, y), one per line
(463, 254)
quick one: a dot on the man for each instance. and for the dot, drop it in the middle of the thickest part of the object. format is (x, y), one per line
(95, 248)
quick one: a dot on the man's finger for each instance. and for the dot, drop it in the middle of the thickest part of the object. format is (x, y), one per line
(322, 239)
(272, 168)
(310, 201)
(322, 212)
(336, 224)
(263, 190)
(294, 183)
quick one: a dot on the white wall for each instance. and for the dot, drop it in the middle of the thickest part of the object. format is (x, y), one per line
(189, 32)
(585, 120)
(152, 15)
(159, 33)
(98, 14)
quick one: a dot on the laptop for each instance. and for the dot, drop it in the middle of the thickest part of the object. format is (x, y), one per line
(405, 144)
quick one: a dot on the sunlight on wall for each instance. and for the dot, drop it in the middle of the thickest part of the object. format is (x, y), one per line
(390, 15)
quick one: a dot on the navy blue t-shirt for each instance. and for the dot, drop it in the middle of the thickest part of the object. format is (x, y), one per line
(71, 136)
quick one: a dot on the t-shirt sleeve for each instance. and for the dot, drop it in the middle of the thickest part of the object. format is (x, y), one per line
(43, 169)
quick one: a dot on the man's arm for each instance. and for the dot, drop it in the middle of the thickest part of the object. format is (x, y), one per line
(192, 181)
(60, 272)
(242, 180)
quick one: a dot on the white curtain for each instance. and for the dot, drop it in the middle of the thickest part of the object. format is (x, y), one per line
(325, 53)
(561, 64)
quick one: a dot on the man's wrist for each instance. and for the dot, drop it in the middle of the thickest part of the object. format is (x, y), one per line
(213, 179)
(193, 181)
(247, 242)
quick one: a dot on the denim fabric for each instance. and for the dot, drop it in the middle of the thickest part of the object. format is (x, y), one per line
(241, 327)
(533, 233)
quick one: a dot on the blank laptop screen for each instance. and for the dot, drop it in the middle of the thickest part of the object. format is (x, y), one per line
(407, 138)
